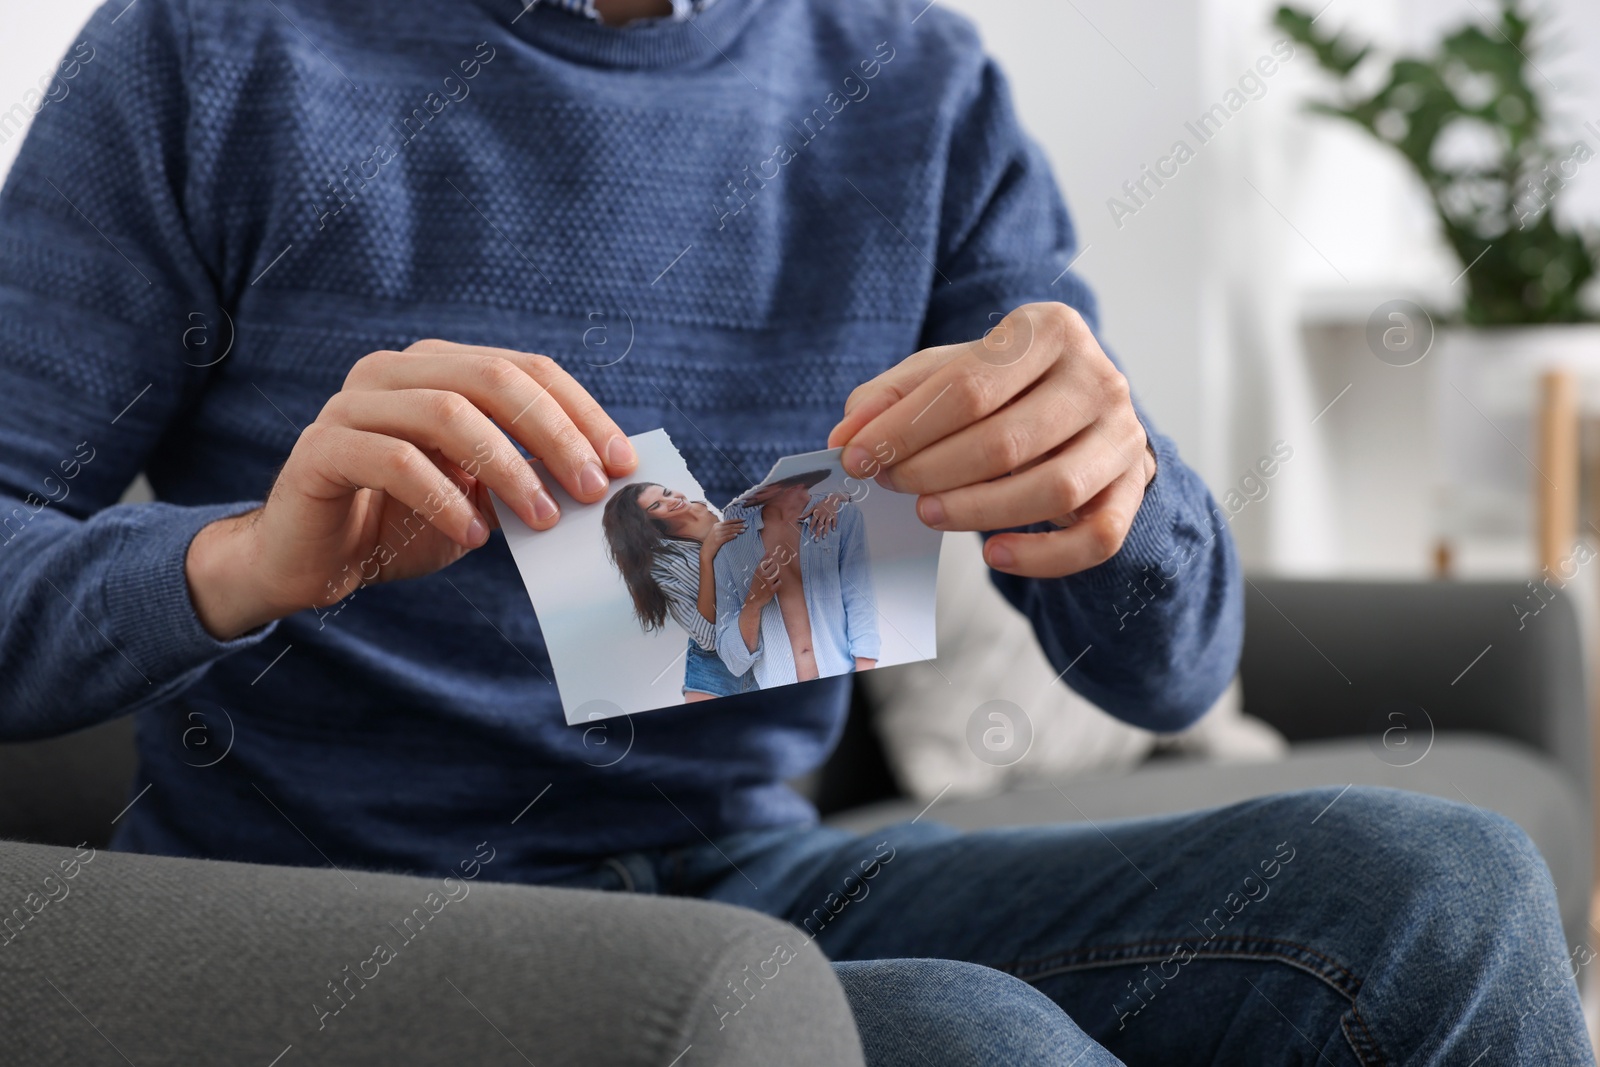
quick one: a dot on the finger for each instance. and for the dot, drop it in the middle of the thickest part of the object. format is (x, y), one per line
(969, 387)
(463, 481)
(1007, 441)
(872, 398)
(345, 459)
(485, 506)
(1051, 489)
(476, 491)
(1098, 535)
(451, 425)
(612, 446)
(526, 394)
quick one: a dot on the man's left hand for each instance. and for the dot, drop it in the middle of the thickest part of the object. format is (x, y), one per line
(1031, 423)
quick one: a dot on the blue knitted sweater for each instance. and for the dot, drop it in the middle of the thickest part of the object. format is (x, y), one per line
(718, 226)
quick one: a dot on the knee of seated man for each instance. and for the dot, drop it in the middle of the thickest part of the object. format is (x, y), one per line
(948, 1001)
(1440, 854)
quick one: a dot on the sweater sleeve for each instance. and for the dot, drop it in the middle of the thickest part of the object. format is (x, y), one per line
(1159, 626)
(99, 283)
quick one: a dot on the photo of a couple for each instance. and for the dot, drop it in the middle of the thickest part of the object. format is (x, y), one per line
(653, 597)
(776, 590)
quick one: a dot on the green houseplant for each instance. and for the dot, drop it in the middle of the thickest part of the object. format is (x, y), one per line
(1478, 87)
(1469, 116)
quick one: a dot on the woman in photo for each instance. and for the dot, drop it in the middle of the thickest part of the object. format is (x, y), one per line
(664, 545)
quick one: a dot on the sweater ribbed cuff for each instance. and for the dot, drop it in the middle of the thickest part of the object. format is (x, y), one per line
(145, 600)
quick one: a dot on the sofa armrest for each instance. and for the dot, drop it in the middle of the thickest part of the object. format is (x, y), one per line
(1336, 658)
(187, 961)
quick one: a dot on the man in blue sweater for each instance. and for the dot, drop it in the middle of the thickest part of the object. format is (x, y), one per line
(812, 220)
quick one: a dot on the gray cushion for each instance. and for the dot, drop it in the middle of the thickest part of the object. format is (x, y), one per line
(183, 961)
(1491, 773)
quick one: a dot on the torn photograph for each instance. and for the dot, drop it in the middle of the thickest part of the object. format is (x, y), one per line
(653, 597)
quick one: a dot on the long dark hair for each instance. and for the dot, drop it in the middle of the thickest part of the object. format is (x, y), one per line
(634, 539)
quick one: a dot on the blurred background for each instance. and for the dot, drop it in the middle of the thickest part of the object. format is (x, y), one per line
(1239, 294)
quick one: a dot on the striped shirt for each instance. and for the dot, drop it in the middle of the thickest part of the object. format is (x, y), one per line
(681, 9)
(676, 569)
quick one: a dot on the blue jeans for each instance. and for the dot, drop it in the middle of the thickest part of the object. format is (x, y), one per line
(704, 672)
(1372, 927)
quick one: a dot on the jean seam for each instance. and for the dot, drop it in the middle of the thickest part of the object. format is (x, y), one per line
(1364, 1045)
(1341, 978)
(1303, 958)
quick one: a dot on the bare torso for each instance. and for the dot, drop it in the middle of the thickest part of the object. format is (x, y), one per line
(780, 541)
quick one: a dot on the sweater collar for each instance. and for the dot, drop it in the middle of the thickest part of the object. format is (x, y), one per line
(651, 44)
(681, 9)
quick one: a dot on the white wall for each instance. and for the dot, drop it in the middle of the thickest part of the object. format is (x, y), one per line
(1205, 289)
(1106, 86)
(36, 36)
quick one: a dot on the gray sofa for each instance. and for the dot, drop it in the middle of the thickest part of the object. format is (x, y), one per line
(1438, 688)
(1429, 687)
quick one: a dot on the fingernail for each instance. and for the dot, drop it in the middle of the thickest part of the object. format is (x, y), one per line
(856, 460)
(1000, 556)
(931, 509)
(544, 507)
(619, 453)
(592, 480)
(477, 533)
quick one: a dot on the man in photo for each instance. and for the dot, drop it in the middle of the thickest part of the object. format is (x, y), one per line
(793, 603)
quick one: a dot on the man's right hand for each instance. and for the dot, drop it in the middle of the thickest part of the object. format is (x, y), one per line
(763, 587)
(391, 480)
(763, 584)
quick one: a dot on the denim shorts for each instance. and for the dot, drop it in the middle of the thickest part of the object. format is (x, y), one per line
(705, 673)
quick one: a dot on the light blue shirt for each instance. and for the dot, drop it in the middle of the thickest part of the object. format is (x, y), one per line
(836, 574)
